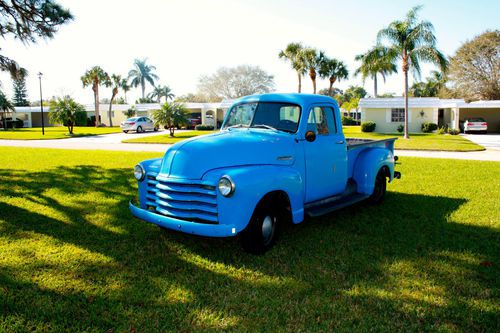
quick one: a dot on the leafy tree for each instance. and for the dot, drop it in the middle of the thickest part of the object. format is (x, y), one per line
(20, 92)
(142, 73)
(5, 106)
(314, 60)
(333, 70)
(430, 88)
(126, 88)
(475, 68)
(95, 77)
(27, 21)
(411, 41)
(65, 111)
(170, 115)
(114, 82)
(293, 54)
(161, 91)
(145, 100)
(375, 61)
(131, 112)
(333, 92)
(354, 92)
(236, 82)
(198, 98)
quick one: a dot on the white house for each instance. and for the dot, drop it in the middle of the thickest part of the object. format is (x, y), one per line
(207, 112)
(388, 113)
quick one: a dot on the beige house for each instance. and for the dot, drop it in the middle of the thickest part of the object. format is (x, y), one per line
(388, 113)
(208, 113)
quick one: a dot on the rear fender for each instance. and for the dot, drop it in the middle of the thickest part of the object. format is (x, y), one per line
(368, 164)
(252, 183)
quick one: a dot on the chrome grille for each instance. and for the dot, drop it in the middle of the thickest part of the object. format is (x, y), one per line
(191, 202)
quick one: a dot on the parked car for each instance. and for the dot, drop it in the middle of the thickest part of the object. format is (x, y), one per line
(478, 125)
(138, 124)
(18, 123)
(276, 159)
(192, 122)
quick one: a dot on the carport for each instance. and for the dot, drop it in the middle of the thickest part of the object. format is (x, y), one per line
(489, 110)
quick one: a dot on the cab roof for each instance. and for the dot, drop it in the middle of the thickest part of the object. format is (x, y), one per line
(300, 99)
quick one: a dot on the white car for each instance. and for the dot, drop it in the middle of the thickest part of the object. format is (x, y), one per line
(475, 125)
(138, 124)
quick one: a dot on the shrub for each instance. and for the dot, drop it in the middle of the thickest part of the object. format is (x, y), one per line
(429, 127)
(348, 121)
(441, 131)
(368, 126)
(81, 118)
(204, 128)
(453, 131)
(401, 128)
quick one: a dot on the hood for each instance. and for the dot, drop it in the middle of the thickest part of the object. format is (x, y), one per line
(191, 159)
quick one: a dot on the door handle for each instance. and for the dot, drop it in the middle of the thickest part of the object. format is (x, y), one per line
(340, 142)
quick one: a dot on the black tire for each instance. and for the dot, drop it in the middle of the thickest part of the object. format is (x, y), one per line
(380, 188)
(155, 129)
(125, 132)
(139, 129)
(262, 231)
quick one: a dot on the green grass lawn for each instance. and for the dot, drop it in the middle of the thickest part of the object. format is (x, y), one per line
(72, 258)
(167, 139)
(61, 132)
(418, 141)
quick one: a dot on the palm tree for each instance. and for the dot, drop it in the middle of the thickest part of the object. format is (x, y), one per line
(95, 77)
(161, 91)
(293, 53)
(141, 73)
(170, 115)
(5, 106)
(334, 70)
(412, 42)
(375, 61)
(64, 111)
(115, 82)
(125, 87)
(313, 60)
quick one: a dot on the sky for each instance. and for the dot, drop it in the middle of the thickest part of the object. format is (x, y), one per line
(189, 38)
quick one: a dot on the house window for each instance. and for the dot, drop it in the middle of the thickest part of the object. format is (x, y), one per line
(397, 115)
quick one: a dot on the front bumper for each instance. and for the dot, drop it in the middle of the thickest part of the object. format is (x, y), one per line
(201, 229)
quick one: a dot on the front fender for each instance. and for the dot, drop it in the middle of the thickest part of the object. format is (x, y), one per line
(367, 165)
(252, 183)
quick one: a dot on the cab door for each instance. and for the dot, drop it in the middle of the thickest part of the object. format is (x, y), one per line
(326, 156)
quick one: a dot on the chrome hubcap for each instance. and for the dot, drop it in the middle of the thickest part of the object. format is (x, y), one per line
(268, 228)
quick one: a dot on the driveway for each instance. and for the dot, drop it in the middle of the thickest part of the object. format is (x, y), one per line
(488, 141)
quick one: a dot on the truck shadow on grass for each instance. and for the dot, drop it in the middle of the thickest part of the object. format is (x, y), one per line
(75, 259)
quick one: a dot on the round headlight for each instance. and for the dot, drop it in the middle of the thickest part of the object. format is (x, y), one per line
(139, 172)
(226, 186)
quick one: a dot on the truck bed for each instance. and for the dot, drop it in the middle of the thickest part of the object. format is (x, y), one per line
(354, 143)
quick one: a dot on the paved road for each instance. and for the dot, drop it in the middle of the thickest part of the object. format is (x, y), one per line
(113, 142)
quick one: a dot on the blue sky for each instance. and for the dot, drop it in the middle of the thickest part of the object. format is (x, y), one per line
(188, 38)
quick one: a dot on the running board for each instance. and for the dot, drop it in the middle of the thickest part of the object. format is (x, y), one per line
(331, 206)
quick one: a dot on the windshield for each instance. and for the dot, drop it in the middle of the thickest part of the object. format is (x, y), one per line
(269, 115)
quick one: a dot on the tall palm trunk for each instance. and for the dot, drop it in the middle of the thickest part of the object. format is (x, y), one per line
(96, 104)
(332, 81)
(375, 85)
(300, 81)
(312, 75)
(143, 87)
(405, 71)
(115, 92)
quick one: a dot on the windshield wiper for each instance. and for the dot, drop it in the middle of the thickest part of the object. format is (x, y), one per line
(236, 126)
(264, 126)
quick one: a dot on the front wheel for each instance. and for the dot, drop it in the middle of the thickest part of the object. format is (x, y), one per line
(155, 129)
(380, 188)
(125, 132)
(262, 231)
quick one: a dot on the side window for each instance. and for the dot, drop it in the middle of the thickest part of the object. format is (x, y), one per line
(322, 121)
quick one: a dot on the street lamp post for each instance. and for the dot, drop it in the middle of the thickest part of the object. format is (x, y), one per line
(41, 101)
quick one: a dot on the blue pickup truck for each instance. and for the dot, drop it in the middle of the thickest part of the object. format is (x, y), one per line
(276, 159)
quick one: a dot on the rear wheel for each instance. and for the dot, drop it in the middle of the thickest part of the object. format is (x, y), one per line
(262, 231)
(139, 129)
(125, 131)
(379, 190)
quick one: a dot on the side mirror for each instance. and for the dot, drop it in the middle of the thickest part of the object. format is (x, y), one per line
(310, 136)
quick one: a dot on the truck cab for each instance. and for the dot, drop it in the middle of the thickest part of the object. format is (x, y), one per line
(276, 159)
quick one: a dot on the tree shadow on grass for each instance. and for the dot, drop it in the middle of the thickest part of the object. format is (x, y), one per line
(404, 265)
